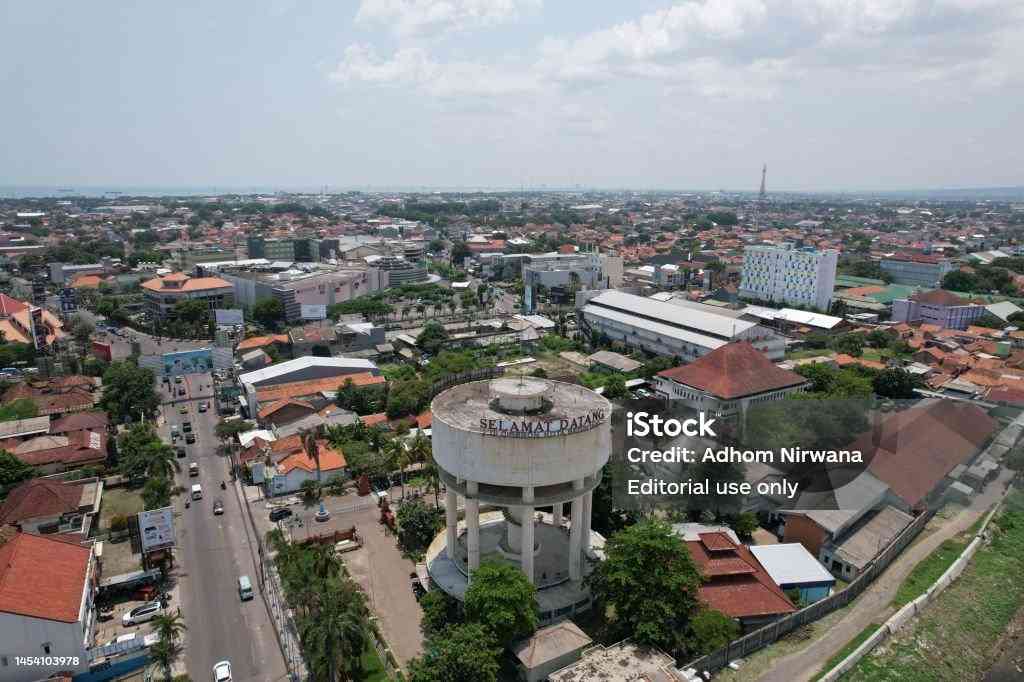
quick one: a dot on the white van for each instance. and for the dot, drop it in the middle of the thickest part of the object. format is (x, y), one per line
(244, 588)
(197, 492)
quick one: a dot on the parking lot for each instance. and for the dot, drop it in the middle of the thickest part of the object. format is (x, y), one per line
(378, 566)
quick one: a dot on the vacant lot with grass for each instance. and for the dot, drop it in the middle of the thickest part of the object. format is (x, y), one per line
(954, 638)
(119, 502)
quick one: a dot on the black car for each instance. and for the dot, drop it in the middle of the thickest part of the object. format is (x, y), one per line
(190, 438)
(278, 514)
(179, 451)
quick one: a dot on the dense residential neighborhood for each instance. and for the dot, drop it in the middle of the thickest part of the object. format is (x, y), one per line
(281, 430)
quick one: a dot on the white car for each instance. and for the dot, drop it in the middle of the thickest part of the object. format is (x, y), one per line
(222, 672)
(141, 614)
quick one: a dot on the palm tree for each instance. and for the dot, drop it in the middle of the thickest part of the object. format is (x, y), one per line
(397, 454)
(161, 460)
(170, 627)
(453, 306)
(420, 308)
(421, 451)
(334, 640)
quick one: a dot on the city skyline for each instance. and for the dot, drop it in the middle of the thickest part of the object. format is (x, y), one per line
(515, 94)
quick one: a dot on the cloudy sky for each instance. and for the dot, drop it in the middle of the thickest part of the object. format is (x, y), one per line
(832, 94)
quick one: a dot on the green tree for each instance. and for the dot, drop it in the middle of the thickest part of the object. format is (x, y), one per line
(432, 338)
(417, 526)
(990, 321)
(745, 524)
(13, 470)
(170, 627)
(156, 494)
(334, 635)
(463, 653)
(851, 344)
(895, 382)
(711, 630)
(128, 392)
(649, 582)
(500, 598)
(269, 312)
(440, 612)
(310, 491)
(615, 387)
(192, 311)
(22, 408)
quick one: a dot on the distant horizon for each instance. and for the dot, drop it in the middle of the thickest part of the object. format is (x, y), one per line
(112, 191)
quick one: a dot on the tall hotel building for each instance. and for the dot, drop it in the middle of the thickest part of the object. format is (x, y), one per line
(793, 276)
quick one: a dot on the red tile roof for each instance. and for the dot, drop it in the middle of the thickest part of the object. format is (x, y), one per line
(733, 371)
(298, 389)
(262, 341)
(425, 419)
(374, 419)
(93, 421)
(939, 297)
(40, 497)
(736, 583)
(330, 460)
(43, 578)
(9, 306)
(918, 447)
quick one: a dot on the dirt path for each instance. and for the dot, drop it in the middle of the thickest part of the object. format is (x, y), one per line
(873, 605)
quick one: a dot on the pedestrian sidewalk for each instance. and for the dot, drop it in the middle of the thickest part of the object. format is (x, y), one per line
(874, 604)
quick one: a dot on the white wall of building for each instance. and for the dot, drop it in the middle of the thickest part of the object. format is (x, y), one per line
(793, 276)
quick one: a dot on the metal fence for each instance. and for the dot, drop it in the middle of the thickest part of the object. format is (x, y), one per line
(762, 637)
(464, 378)
(281, 616)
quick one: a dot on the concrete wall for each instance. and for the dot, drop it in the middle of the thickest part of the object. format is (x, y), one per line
(25, 636)
(520, 461)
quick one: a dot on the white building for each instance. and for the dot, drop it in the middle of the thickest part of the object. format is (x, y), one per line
(674, 328)
(789, 275)
(46, 606)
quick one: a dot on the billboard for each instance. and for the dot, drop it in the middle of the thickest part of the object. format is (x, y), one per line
(198, 361)
(314, 311)
(156, 529)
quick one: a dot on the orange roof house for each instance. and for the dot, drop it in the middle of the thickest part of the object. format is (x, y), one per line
(43, 578)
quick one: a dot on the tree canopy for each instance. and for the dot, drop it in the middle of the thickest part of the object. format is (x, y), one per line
(268, 311)
(500, 598)
(650, 582)
(462, 653)
(128, 391)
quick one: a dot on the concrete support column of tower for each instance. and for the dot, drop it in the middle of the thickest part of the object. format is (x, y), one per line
(473, 532)
(558, 514)
(575, 533)
(527, 543)
(588, 509)
(451, 518)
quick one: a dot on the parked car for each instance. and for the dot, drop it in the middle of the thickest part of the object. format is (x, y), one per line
(222, 672)
(193, 469)
(178, 379)
(203, 407)
(141, 614)
(186, 427)
(278, 514)
(183, 409)
(180, 452)
(190, 438)
(218, 507)
(181, 391)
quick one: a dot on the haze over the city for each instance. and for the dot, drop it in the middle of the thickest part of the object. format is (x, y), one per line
(888, 94)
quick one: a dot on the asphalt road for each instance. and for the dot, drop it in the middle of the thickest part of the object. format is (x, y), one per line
(212, 552)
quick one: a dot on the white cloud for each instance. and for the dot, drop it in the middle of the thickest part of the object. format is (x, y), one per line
(414, 17)
(413, 67)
